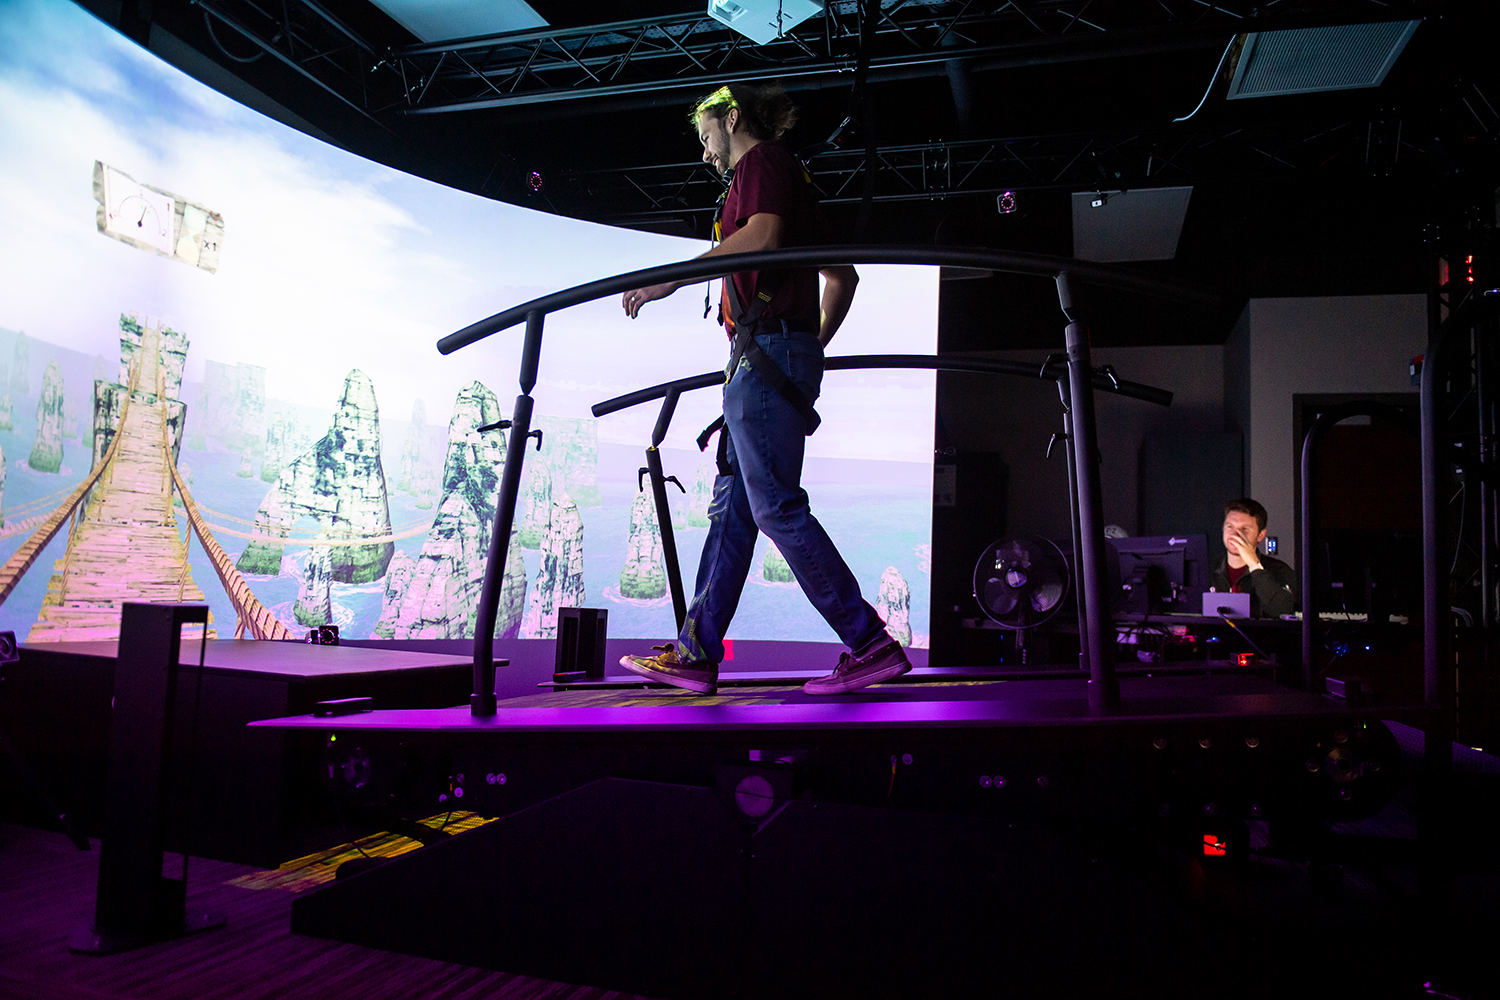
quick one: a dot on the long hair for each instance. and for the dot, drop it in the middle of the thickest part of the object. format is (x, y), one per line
(768, 113)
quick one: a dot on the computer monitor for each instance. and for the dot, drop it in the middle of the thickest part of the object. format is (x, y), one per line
(1165, 574)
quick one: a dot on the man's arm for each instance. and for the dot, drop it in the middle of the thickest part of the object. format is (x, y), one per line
(762, 231)
(838, 293)
(1275, 587)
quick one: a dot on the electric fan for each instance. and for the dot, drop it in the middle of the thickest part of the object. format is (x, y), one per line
(1021, 580)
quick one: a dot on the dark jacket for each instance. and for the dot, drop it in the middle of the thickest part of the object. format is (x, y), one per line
(1274, 588)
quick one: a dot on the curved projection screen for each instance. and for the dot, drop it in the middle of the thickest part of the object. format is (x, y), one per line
(218, 331)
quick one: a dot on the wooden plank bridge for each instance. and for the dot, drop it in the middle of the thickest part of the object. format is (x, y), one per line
(124, 544)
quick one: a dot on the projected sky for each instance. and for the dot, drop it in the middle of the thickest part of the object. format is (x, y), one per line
(201, 289)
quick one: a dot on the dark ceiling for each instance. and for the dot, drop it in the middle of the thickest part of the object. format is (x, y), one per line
(1311, 194)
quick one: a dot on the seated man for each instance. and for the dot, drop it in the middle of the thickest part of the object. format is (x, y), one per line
(1271, 583)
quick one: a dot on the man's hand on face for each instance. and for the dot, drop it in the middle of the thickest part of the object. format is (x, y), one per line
(637, 297)
(1243, 549)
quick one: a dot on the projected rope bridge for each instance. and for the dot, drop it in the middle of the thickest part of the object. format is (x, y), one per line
(124, 543)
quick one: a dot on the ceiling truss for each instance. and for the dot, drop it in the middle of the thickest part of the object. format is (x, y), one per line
(935, 171)
(908, 37)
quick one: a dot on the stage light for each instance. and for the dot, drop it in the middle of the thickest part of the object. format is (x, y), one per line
(1006, 203)
(536, 182)
(1213, 846)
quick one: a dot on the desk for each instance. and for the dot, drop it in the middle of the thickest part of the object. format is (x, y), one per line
(1056, 641)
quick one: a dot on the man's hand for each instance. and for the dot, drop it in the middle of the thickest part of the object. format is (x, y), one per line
(762, 231)
(1245, 551)
(637, 297)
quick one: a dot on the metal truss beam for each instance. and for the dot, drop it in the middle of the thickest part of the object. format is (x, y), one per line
(935, 171)
(689, 51)
(648, 55)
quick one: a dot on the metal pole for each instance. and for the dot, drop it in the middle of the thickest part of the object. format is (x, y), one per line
(1305, 552)
(1068, 450)
(482, 701)
(1104, 689)
(663, 511)
(1484, 397)
(1434, 824)
(1437, 655)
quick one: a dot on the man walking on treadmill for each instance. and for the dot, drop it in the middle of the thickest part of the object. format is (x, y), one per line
(777, 329)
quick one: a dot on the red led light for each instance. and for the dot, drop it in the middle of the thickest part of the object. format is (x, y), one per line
(1214, 847)
(1244, 659)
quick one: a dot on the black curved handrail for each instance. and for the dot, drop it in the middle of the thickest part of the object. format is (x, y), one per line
(703, 268)
(1066, 273)
(1103, 382)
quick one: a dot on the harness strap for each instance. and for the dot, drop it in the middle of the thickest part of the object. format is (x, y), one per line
(745, 322)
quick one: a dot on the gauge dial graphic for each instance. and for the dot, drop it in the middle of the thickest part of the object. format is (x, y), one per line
(136, 212)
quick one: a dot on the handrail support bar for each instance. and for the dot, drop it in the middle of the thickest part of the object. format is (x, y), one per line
(483, 702)
(1104, 687)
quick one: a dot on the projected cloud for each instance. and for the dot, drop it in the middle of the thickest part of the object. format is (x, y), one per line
(218, 382)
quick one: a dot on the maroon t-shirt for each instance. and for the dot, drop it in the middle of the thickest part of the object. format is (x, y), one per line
(768, 179)
(1235, 574)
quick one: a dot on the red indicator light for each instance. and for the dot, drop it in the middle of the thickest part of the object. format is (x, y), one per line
(1214, 847)
(1244, 659)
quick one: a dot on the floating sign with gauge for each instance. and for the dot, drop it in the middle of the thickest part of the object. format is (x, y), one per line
(158, 221)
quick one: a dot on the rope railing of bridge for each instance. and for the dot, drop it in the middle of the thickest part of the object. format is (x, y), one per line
(22, 559)
(254, 617)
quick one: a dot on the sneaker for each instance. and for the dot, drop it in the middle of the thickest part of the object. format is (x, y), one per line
(854, 672)
(700, 676)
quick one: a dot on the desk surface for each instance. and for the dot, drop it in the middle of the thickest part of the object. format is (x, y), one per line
(1069, 622)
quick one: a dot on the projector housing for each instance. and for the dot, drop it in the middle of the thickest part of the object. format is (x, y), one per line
(763, 21)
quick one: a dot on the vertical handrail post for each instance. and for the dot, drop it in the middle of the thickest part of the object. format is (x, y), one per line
(1104, 688)
(1305, 553)
(1068, 451)
(1434, 821)
(663, 510)
(1437, 658)
(482, 702)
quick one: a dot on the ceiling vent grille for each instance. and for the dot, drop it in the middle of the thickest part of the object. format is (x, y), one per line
(1309, 60)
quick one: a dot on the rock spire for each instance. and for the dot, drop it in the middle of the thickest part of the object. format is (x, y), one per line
(644, 576)
(893, 604)
(339, 482)
(559, 579)
(46, 454)
(436, 595)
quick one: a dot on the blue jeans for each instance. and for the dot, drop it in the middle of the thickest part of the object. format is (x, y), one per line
(765, 444)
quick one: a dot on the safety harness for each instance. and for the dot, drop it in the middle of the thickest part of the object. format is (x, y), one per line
(745, 323)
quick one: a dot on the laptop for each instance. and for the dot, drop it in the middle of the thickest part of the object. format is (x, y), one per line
(1238, 605)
